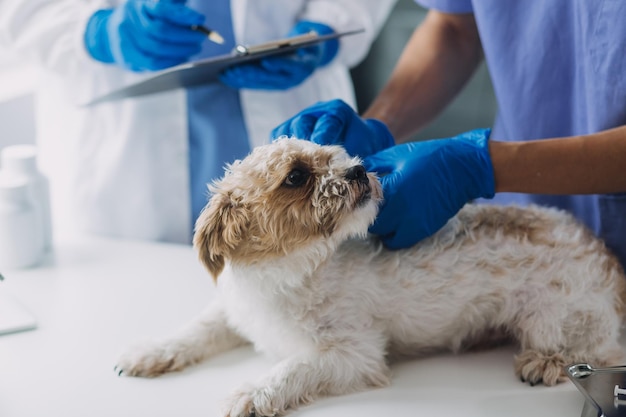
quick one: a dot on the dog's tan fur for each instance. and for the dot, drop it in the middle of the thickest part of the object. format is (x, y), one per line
(298, 277)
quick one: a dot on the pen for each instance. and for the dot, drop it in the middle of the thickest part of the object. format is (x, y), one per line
(213, 35)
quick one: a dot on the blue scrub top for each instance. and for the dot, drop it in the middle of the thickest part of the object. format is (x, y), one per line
(558, 69)
(217, 133)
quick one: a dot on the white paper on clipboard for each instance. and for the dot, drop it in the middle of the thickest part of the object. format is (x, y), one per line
(205, 71)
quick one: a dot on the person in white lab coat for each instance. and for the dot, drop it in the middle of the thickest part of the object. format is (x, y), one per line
(130, 168)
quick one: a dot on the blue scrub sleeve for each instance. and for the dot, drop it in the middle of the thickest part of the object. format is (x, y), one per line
(448, 6)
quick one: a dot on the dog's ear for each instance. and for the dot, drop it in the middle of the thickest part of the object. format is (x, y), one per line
(219, 229)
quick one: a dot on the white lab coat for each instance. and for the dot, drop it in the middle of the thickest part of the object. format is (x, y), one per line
(121, 168)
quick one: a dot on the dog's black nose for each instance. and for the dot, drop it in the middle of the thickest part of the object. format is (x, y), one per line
(357, 173)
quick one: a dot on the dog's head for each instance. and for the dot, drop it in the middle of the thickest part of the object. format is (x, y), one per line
(282, 198)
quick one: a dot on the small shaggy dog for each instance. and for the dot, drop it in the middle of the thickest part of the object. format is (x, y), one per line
(285, 237)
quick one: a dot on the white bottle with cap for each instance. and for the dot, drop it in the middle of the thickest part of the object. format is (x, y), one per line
(21, 234)
(21, 161)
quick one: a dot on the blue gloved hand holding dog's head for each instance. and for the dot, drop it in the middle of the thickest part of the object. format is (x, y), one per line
(427, 183)
(336, 123)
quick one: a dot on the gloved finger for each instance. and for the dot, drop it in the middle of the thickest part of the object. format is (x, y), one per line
(304, 122)
(382, 162)
(300, 126)
(228, 77)
(386, 139)
(143, 26)
(328, 130)
(170, 33)
(156, 48)
(254, 76)
(160, 63)
(175, 13)
(335, 106)
(323, 52)
(290, 69)
(339, 115)
(388, 220)
(314, 50)
(162, 27)
(386, 223)
(309, 55)
(287, 77)
(238, 76)
(142, 62)
(400, 240)
(146, 46)
(304, 126)
(164, 30)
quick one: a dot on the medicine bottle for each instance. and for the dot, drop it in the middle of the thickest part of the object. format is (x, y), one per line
(21, 234)
(21, 161)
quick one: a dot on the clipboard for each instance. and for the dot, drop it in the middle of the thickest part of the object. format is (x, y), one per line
(192, 74)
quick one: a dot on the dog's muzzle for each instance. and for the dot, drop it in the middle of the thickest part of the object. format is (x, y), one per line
(357, 175)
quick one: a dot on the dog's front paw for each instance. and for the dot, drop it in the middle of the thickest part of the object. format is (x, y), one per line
(251, 401)
(535, 367)
(149, 360)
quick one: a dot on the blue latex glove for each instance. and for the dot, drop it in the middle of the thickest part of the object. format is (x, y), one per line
(284, 71)
(427, 183)
(336, 123)
(142, 35)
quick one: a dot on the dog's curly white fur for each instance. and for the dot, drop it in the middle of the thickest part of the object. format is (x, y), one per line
(285, 237)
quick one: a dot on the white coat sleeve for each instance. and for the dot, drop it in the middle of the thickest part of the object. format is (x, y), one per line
(49, 32)
(342, 15)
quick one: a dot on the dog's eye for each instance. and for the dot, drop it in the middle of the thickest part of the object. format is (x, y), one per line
(296, 177)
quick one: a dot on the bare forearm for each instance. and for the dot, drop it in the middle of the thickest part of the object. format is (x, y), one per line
(590, 164)
(439, 59)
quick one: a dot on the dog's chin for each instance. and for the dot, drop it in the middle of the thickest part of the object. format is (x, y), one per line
(362, 214)
(364, 198)
(367, 191)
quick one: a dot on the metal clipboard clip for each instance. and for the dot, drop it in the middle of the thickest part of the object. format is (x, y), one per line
(242, 50)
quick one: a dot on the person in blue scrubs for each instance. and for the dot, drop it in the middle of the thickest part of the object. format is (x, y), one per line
(559, 138)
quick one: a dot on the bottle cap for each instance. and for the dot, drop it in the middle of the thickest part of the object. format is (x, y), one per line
(13, 188)
(21, 159)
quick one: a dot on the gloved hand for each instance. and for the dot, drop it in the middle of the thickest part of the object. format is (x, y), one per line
(336, 123)
(144, 35)
(282, 72)
(427, 183)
